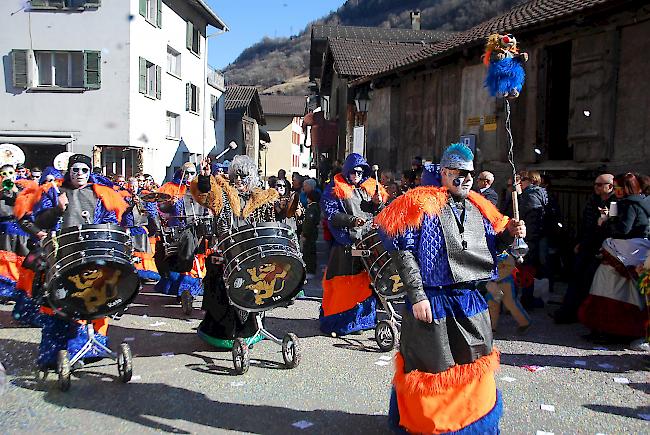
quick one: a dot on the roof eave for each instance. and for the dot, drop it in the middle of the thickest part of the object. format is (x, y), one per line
(213, 19)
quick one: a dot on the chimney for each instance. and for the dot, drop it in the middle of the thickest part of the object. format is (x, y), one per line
(415, 19)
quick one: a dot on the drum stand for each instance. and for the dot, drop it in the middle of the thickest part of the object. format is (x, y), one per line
(387, 330)
(66, 365)
(290, 348)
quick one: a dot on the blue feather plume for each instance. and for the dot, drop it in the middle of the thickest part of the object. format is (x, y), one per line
(461, 150)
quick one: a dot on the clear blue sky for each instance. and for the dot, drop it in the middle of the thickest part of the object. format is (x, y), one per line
(250, 21)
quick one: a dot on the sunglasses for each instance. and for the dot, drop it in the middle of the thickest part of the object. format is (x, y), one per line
(357, 172)
(82, 170)
(190, 172)
(463, 173)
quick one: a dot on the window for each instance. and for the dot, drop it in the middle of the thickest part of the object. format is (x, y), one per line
(56, 69)
(150, 80)
(192, 98)
(151, 10)
(173, 62)
(173, 125)
(214, 107)
(119, 160)
(64, 4)
(193, 38)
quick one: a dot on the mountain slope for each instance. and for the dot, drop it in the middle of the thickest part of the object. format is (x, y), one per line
(273, 62)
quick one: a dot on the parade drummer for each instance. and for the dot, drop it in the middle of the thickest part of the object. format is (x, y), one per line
(177, 214)
(349, 202)
(78, 201)
(235, 201)
(444, 242)
(13, 239)
(27, 310)
(139, 217)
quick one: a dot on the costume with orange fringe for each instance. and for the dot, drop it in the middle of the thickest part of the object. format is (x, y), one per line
(178, 214)
(137, 221)
(348, 302)
(13, 240)
(57, 333)
(445, 252)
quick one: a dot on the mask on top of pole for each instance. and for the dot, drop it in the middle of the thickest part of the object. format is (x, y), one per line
(505, 79)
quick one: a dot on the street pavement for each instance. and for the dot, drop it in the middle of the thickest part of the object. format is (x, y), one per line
(342, 385)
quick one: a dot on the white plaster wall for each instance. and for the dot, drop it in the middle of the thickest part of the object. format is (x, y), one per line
(148, 116)
(95, 117)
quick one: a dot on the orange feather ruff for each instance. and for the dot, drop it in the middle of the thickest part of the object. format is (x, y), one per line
(343, 190)
(173, 189)
(112, 200)
(30, 195)
(408, 211)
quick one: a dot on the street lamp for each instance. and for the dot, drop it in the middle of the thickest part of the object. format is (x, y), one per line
(362, 100)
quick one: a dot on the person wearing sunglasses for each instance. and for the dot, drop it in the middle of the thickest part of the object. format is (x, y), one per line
(181, 274)
(349, 203)
(444, 244)
(78, 201)
(235, 201)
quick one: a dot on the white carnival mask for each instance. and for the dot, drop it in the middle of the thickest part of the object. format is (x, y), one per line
(79, 174)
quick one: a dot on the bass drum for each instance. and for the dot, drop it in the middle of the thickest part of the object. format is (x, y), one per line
(380, 267)
(263, 265)
(90, 273)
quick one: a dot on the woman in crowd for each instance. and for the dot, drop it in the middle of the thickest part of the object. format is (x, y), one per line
(614, 307)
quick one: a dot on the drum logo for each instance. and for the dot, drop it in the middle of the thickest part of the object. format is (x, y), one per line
(265, 280)
(397, 283)
(96, 286)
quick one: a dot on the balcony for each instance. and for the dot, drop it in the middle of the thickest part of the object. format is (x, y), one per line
(216, 79)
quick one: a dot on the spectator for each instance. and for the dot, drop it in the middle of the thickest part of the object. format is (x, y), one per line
(590, 238)
(484, 187)
(97, 170)
(271, 181)
(614, 308)
(282, 174)
(387, 177)
(416, 164)
(408, 180)
(308, 185)
(310, 233)
(296, 182)
(532, 206)
(36, 173)
(288, 209)
(393, 191)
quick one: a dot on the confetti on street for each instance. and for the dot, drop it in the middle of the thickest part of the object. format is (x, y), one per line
(129, 338)
(549, 408)
(606, 366)
(158, 334)
(382, 363)
(534, 368)
(386, 358)
(237, 384)
(153, 325)
(580, 363)
(541, 432)
(508, 379)
(167, 354)
(622, 380)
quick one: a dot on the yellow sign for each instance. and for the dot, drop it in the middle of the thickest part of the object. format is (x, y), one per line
(490, 127)
(473, 121)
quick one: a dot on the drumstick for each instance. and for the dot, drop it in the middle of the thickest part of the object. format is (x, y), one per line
(376, 169)
(50, 178)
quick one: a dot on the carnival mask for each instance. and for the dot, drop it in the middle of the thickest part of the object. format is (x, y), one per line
(356, 175)
(8, 173)
(79, 174)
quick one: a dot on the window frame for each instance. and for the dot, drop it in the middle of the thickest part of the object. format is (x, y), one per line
(193, 96)
(177, 125)
(174, 54)
(37, 84)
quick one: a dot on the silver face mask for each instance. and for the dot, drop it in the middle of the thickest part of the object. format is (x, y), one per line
(79, 174)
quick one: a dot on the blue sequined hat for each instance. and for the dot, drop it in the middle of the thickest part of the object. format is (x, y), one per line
(458, 156)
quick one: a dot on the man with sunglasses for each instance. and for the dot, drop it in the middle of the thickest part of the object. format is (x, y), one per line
(444, 244)
(77, 201)
(349, 203)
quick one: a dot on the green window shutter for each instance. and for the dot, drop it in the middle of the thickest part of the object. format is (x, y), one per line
(57, 3)
(143, 76)
(189, 33)
(92, 69)
(92, 3)
(19, 68)
(159, 14)
(143, 8)
(198, 100)
(188, 96)
(158, 82)
(38, 3)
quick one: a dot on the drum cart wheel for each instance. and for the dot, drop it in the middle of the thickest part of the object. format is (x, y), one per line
(386, 335)
(124, 363)
(186, 303)
(240, 356)
(64, 370)
(291, 350)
